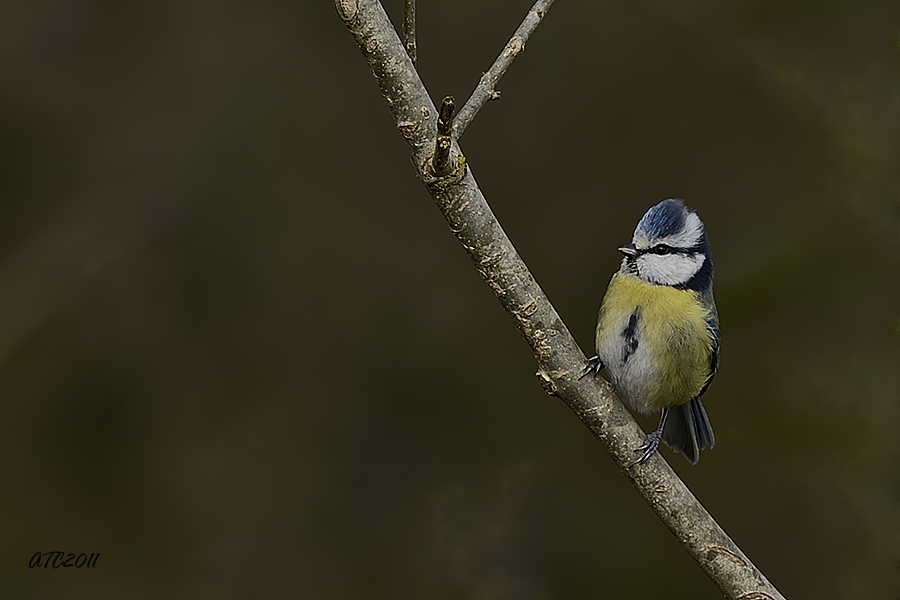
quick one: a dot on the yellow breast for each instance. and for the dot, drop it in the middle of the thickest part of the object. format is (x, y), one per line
(654, 341)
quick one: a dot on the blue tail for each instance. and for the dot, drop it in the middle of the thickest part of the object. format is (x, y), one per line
(687, 430)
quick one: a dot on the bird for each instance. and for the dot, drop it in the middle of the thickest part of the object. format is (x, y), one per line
(658, 329)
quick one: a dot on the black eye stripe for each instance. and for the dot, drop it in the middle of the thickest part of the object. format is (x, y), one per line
(663, 249)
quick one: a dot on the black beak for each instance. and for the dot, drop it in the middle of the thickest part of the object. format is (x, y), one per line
(628, 250)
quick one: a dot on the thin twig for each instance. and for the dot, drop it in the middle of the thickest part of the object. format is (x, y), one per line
(439, 163)
(559, 358)
(486, 88)
(409, 29)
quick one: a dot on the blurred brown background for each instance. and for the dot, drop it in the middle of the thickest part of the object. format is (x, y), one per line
(242, 356)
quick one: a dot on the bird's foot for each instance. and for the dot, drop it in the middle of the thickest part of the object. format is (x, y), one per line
(594, 365)
(651, 443)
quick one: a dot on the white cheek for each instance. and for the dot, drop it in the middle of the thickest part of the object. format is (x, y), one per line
(669, 269)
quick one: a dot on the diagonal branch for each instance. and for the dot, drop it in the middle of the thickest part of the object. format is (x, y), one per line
(558, 356)
(486, 88)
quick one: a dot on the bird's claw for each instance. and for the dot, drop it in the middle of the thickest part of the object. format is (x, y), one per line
(594, 365)
(649, 447)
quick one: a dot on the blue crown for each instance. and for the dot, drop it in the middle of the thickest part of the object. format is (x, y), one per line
(664, 219)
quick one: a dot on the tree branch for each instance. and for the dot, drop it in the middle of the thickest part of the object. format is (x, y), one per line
(559, 358)
(486, 88)
(409, 29)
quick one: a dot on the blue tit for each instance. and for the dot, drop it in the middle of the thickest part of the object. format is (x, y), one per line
(658, 329)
